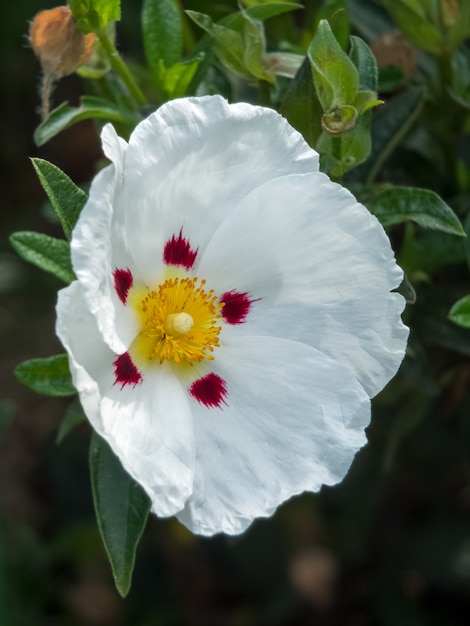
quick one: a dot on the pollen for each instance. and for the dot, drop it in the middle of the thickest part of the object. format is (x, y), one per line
(178, 323)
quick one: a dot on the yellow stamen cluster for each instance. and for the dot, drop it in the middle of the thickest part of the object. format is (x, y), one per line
(178, 322)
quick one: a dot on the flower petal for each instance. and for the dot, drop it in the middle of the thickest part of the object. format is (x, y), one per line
(293, 421)
(190, 163)
(320, 270)
(148, 425)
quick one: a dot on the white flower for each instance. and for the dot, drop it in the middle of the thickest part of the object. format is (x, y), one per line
(233, 313)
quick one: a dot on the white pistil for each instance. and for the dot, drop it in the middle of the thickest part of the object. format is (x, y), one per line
(179, 322)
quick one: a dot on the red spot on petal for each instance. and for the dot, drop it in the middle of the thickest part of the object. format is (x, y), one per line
(236, 307)
(123, 280)
(125, 372)
(177, 251)
(210, 390)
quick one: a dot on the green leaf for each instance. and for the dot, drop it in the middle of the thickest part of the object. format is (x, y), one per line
(301, 105)
(163, 35)
(122, 509)
(390, 124)
(410, 17)
(228, 44)
(49, 376)
(93, 15)
(255, 47)
(178, 78)
(460, 312)
(74, 416)
(335, 76)
(90, 107)
(50, 254)
(363, 58)
(67, 199)
(259, 12)
(423, 206)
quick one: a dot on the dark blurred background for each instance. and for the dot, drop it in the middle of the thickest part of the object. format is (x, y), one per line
(390, 546)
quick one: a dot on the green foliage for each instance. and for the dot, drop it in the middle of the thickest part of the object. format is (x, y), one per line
(94, 15)
(163, 36)
(50, 254)
(423, 206)
(460, 312)
(90, 107)
(407, 160)
(335, 76)
(49, 376)
(122, 509)
(67, 199)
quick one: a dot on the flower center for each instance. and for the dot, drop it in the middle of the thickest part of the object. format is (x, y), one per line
(178, 323)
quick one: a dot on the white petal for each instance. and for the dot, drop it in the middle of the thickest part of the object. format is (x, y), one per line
(94, 250)
(323, 270)
(294, 420)
(148, 426)
(114, 146)
(190, 163)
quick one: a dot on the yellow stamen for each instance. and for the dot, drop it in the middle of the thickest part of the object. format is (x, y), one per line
(178, 323)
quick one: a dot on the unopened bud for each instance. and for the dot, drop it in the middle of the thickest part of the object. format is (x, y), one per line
(59, 45)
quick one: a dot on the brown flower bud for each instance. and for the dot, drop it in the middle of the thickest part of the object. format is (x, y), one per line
(59, 45)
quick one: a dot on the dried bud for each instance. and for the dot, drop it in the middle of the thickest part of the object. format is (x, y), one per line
(59, 45)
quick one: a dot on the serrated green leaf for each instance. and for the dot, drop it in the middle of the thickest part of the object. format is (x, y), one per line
(49, 376)
(90, 107)
(74, 416)
(122, 509)
(50, 254)
(163, 35)
(423, 206)
(67, 199)
(460, 312)
(335, 76)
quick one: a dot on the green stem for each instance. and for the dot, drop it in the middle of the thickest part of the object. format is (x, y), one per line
(121, 68)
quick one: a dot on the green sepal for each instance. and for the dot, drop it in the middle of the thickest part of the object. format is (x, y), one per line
(66, 198)
(460, 312)
(163, 36)
(335, 76)
(49, 376)
(91, 107)
(121, 508)
(48, 253)
(340, 120)
(423, 206)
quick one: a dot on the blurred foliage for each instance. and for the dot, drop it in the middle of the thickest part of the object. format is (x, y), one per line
(390, 546)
